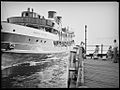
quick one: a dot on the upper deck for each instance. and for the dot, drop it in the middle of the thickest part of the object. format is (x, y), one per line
(51, 24)
(31, 19)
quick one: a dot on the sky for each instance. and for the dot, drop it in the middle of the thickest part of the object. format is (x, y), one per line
(101, 18)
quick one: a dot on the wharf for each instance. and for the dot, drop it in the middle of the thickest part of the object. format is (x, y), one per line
(101, 73)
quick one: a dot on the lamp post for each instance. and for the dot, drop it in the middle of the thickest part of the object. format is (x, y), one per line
(85, 39)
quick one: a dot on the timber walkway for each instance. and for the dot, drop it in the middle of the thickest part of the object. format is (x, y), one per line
(92, 73)
(101, 74)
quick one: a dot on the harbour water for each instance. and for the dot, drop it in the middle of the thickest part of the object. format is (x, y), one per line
(35, 70)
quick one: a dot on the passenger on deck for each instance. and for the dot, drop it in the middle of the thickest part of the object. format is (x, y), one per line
(110, 53)
(96, 52)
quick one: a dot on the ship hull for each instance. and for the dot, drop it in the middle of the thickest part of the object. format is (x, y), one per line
(29, 40)
(30, 45)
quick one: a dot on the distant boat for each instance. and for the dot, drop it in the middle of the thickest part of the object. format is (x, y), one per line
(33, 33)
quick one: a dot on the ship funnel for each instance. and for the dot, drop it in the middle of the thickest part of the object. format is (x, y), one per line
(59, 19)
(51, 14)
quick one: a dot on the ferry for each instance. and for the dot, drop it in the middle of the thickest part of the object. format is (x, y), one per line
(33, 33)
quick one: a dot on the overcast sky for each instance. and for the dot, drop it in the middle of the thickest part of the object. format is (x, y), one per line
(101, 18)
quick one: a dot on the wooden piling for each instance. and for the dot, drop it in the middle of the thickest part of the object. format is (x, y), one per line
(76, 68)
(72, 67)
(80, 78)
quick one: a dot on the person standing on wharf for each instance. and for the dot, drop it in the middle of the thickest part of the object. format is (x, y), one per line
(115, 47)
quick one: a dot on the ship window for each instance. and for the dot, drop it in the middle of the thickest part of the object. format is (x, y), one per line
(41, 40)
(44, 41)
(39, 16)
(29, 39)
(13, 30)
(36, 40)
(22, 14)
(26, 14)
(53, 24)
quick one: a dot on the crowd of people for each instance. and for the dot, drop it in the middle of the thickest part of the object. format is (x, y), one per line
(112, 53)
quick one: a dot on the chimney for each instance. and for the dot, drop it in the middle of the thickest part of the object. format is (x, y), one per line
(51, 14)
(29, 9)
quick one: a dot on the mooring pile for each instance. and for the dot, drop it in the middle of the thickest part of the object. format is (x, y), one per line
(76, 68)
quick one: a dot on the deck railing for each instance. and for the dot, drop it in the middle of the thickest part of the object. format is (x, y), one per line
(102, 48)
(30, 20)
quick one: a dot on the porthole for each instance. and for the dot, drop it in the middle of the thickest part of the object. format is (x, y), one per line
(36, 40)
(13, 30)
(29, 39)
(44, 41)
